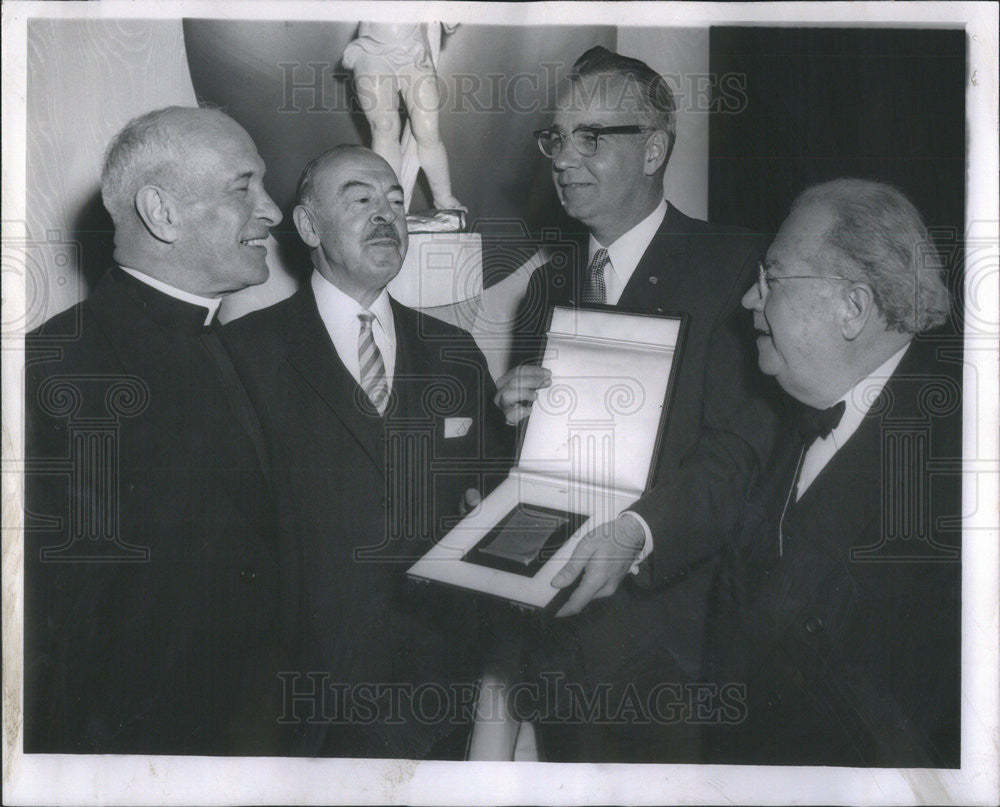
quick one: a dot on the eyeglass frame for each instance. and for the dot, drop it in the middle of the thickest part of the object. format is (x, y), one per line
(597, 131)
(764, 279)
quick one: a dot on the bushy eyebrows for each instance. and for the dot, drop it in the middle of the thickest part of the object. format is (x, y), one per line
(353, 184)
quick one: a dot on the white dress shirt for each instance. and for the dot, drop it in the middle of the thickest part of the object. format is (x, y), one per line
(858, 401)
(339, 312)
(624, 254)
(211, 303)
(626, 251)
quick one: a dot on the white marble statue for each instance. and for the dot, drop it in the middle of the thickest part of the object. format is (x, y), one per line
(390, 61)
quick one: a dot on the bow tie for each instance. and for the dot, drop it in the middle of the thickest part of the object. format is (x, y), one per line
(819, 422)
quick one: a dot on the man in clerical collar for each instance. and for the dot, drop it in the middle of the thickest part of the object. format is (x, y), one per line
(151, 620)
(837, 614)
(609, 143)
(378, 419)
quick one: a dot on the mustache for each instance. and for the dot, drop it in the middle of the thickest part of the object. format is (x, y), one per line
(383, 231)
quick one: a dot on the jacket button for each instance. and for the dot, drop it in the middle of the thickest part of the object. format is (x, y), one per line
(814, 624)
(248, 574)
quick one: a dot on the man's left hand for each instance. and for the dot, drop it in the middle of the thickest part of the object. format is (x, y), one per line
(604, 556)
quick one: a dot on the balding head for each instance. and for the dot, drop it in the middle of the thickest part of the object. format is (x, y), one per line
(154, 149)
(305, 191)
(184, 187)
(350, 213)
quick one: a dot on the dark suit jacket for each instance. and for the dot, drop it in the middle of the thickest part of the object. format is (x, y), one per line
(360, 498)
(151, 622)
(848, 642)
(718, 436)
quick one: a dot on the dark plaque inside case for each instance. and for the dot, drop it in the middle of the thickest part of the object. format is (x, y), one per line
(524, 539)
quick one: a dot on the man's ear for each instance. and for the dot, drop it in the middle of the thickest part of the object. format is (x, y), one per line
(158, 212)
(859, 307)
(304, 224)
(657, 149)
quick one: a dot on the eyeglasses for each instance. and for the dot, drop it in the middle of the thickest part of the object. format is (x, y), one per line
(585, 138)
(765, 279)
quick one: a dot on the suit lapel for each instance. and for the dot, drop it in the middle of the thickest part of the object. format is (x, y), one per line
(842, 491)
(661, 271)
(412, 365)
(313, 356)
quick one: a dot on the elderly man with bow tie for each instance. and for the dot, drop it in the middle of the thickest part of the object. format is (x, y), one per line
(837, 612)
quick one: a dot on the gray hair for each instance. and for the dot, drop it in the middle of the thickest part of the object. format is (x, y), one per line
(147, 151)
(305, 190)
(879, 232)
(655, 99)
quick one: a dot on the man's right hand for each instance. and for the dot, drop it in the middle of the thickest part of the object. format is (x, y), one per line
(517, 390)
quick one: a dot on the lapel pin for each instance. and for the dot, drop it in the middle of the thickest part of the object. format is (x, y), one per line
(653, 280)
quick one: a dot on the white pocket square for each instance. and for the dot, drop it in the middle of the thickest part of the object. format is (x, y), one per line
(457, 427)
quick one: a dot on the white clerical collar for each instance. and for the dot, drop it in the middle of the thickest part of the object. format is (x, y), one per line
(627, 250)
(211, 303)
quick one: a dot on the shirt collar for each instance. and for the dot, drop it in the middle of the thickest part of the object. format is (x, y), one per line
(627, 250)
(335, 304)
(211, 303)
(862, 396)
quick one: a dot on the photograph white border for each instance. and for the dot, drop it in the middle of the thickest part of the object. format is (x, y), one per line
(49, 779)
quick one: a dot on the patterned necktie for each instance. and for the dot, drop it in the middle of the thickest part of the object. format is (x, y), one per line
(373, 380)
(596, 290)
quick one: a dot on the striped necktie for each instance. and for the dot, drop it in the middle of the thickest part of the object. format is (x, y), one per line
(372, 375)
(596, 291)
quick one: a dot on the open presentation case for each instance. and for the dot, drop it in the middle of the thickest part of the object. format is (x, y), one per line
(587, 454)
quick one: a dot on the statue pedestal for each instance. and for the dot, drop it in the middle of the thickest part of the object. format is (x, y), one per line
(440, 269)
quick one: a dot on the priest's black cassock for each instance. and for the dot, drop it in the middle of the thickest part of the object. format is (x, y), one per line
(150, 578)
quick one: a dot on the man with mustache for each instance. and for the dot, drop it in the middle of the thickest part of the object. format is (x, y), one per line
(378, 419)
(151, 619)
(838, 610)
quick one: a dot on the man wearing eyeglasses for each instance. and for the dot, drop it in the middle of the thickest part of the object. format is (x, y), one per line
(838, 607)
(609, 143)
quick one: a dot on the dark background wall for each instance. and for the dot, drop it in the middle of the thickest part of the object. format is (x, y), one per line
(882, 104)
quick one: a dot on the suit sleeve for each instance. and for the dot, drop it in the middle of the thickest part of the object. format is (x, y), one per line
(44, 440)
(498, 443)
(693, 507)
(65, 635)
(528, 342)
